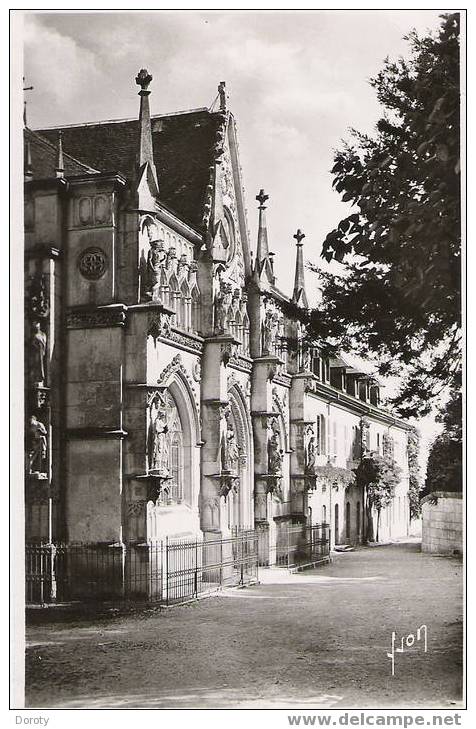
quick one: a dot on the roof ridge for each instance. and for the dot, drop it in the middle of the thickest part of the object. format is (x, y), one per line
(125, 119)
(49, 144)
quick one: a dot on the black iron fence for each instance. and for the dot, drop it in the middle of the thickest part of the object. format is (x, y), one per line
(169, 571)
(295, 546)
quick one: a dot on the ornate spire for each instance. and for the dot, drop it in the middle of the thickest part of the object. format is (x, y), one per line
(299, 293)
(262, 251)
(146, 153)
(262, 261)
(59, 170)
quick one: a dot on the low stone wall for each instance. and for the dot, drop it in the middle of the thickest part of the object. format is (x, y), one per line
(442, 523)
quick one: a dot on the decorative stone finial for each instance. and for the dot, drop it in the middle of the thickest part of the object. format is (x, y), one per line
(143, 80)
(146, 151)
(261, 198)
(299, 293)
(60, 162)
(28, 165)
(222, 95)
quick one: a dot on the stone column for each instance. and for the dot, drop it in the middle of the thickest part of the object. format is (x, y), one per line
(299, 423)
(264, 369)
(217, 353)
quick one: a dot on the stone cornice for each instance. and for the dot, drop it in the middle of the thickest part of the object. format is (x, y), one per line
(42, 251)
(89, 317)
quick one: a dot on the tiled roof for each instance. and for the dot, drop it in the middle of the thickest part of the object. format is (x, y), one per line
(183, 145)
(44, 155)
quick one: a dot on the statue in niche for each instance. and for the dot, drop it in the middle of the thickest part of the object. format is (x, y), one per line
(155, 260)
(305, 358)
(275, 453)
(269, 331)
(38, 354)
(229, 451)
(310, 453)
(220, 311)
(365, 435)
(158, 442)
(38, 446)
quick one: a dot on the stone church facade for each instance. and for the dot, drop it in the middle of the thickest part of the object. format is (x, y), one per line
(168, 395)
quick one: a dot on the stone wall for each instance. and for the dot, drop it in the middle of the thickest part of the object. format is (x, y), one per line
(442, 523)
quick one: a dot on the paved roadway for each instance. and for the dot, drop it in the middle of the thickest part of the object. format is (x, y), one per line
(315, 639)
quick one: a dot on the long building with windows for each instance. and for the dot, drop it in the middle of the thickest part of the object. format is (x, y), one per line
(168, 394)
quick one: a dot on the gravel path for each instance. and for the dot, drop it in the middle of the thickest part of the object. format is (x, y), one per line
(317, 639)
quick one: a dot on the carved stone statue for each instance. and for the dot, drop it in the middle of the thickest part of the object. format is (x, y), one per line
(270, 329)
(38, 354)
(38, 446)
(158, 446)
(230, 450)
(220, 311)
(275, 454)
(155, 259)
(310, 454)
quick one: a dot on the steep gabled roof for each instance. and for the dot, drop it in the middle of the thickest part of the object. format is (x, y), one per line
(44, 157)
(183, 152)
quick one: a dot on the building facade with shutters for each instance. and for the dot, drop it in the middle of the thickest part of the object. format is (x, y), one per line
(167, 392)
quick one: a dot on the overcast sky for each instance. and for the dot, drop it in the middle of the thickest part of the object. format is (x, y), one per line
(297, 81)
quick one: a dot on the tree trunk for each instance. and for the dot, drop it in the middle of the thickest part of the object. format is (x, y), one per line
(378, 524)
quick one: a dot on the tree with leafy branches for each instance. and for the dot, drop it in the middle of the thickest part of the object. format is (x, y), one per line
(398, 294)
(414, 480)
(378, 476)
(445, 460)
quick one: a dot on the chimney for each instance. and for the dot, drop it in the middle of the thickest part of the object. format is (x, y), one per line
(146, 154)
(299, 293)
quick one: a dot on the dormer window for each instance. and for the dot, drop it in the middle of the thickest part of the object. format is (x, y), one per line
(375, 395)
(363, 390)
(316, 363)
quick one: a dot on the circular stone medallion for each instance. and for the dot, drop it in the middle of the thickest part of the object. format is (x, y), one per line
(92, 263)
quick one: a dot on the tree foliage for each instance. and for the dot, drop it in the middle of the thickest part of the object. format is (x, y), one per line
(398, 296)
(378, 476)
(414, 486)
(444, 469)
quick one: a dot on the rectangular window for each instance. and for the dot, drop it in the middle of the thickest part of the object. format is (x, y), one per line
(316, 364)
(321, 435)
